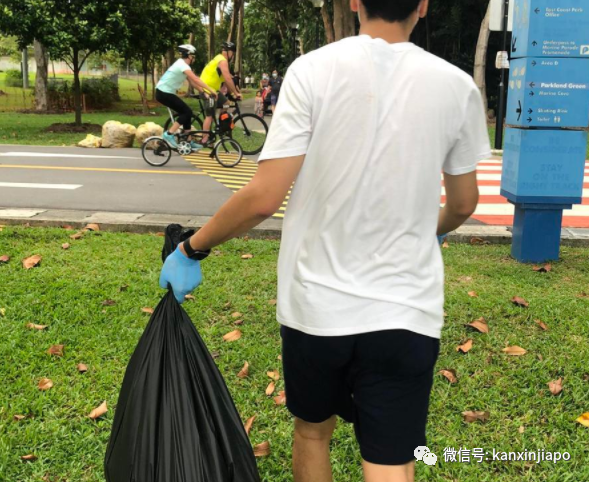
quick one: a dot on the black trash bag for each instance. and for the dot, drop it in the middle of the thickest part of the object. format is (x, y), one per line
(175, 234)
(175, 420)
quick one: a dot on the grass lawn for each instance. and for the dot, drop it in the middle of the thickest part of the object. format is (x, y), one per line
(66, 293)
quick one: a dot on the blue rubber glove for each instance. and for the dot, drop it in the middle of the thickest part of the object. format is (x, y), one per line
(441, 238)
(182, 273)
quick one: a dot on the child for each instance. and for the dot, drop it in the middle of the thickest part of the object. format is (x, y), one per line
(259, 109)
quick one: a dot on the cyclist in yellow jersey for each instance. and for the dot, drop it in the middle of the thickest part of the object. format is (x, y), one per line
(215, 74)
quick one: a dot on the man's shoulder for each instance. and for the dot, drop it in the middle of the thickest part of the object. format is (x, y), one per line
(442, 69)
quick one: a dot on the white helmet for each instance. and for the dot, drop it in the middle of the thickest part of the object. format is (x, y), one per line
(186, 50)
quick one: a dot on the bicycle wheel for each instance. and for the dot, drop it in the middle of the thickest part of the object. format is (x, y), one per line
(250, 131)
(228, 152)
(195, 121)
(156, 151)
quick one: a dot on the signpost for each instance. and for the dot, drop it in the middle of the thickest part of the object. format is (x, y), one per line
(548, 119)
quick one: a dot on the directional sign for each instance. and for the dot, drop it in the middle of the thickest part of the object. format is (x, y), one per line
(543, 166)
(550, 28)
(548, 92)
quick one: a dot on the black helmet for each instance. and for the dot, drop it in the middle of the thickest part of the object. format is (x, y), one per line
(229, 46)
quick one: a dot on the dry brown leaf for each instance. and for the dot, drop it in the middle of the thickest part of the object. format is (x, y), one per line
(280, 399)
(248, 424)
(271, 302)
(4, 258)
(465, 279)
(237, 314)
(274, 375)
(109, 303)
(67, 227)
(147, 310)
(541, 324)
(45, 384)
(238, 322)
(92, 227)
(543, 269)
(270, 389)
(445, 244)
(65, 246)
(189, 298)
(98, 411)
(82, 368)
(471, 416)
(262, 450)
(18, 418)
(215, 354)
(160, 234)
(555, 386)
(232, 335)
(514, 350)
(29, 458)
(478, 241)
(32, 326)
(245, 371)
(279, 357)
(516, 300)
(247, 256)
(31, 261)
(56, 350)
(584, 419)
(521, 429)
(78, 235)
(450, 375)
(465, 347)
(480, 325)
(473, 294)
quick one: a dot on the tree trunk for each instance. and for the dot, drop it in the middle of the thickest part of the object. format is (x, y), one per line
(212, 20)
(145, 70)
(240, 36)
(338, 19)
(41, 77)
(480, 62)
(77, 89)
(327, 24)
(170, 57)
(153, 79)
(234, 17)
(349, 19)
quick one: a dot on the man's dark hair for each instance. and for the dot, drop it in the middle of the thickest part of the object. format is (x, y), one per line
(390, 10)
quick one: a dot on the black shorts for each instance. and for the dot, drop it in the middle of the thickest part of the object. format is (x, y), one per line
(221, 102)
(178, 105)
(381, 382)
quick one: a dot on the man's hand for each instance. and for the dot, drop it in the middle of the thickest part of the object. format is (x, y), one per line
(182, 273)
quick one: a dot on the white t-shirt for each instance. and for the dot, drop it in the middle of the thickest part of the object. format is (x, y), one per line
(174, 77)
(378, 122)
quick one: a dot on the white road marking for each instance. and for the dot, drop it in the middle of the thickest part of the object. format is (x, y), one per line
(47, 154)
(30, 185)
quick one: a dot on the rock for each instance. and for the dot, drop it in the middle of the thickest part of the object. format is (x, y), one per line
(146, 130)
(90, 141)
(115, 134)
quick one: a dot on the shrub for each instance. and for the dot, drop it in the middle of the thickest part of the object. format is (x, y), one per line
(13, 78)
(100, 93)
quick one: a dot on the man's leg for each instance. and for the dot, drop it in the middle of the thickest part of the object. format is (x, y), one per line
(388, 473)
(207, 127)
(310, 453)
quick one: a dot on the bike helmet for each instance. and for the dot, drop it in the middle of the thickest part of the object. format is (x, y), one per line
(186, 50)
(229, 46)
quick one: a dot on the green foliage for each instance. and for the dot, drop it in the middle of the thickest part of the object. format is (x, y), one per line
(13, 78)
(100, 93)
(8, 46)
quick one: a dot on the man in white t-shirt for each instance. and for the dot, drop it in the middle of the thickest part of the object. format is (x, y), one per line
(365, 126)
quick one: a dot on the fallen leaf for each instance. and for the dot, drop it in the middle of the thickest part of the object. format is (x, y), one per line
(584, 419)
(473, 294)
(109, 303)
(246, 238)
(189, 298)
(238, 322)
(270, 389)
(521, 429)
(18, 418)
(445, 244)
(470, 416)
(216, 252)
(465, 279)
(215, 354)
(247, 256)
(32, 326)
(280, 399)
(541, 324)
(31, 261)
(279, 357)
(4, 258)
(248, 424)
(262, 450)
(555, 386)
(82, 368)
(29, 458)
(98, 411)
(516, 300)
(160, 234)
(123, 288)
(237, 314)
(586, 377)
(45, 384)
(271, 302)
(56, 350)
(67, 227)
(274, 375)
(514, 350)
(92, 227)
(478, 241)
(2, 312)
(542, 269)
(147, 310)
(78, 235)
(540, 358)
(450, 375)
(465, 347)
(245, 371)
(480, 325)
(65, 246)
(232, 335)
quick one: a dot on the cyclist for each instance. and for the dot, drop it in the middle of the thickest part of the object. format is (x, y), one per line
(169, 84)
(215, 74)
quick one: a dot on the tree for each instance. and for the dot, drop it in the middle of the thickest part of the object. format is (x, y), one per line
(41, 59)
(480, 62)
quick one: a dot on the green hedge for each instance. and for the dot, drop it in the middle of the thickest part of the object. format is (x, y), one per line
(13, 78)
(100, 93)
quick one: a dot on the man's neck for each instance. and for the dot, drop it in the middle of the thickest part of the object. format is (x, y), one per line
(390, 32)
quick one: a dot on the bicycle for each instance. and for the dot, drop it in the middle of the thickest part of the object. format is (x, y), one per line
(250, 130)
(227, 151)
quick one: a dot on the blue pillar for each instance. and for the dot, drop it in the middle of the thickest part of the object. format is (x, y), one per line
(548, 119)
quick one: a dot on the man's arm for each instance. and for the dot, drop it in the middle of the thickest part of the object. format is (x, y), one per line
(224, 66)
(251, 205)
(462, 197)
(198, 84)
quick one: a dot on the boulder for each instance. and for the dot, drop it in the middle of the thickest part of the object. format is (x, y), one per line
(146, 130)
(90, 141)
(115, 134)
